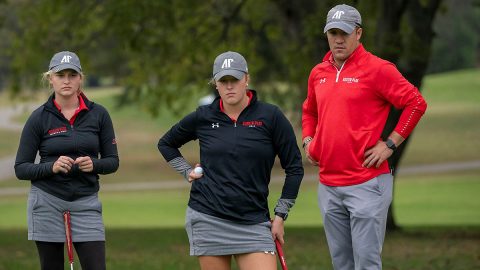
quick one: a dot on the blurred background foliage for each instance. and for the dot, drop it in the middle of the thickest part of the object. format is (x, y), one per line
(161, 52)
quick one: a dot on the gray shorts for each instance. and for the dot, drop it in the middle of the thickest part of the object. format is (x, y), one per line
(213, 236)
(45, 218)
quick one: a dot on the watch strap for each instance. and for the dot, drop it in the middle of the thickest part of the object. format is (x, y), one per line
(390, 144)
(282, 215)
(306, 141)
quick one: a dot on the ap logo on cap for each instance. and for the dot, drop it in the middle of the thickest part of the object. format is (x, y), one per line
(66, 59)
(227, 63)
(338, 15)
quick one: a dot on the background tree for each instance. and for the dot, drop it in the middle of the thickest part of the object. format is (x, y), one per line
(404, 36)
(162, 51)
(457, 44)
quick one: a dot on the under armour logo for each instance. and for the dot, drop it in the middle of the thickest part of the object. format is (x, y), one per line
(66, 59)
(322, 80)
(227, 62)
(215, 125)
(338, 14)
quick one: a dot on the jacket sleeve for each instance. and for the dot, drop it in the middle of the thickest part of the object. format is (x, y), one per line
(309, 110)
(25, 167)
(402, 95)
(286, 147)
(181, 133)
(108, 161)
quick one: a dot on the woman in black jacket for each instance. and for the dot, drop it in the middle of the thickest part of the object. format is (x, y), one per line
(76, 142)
(239, 138)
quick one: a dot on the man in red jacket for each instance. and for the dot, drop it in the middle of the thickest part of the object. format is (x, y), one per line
(349, 98)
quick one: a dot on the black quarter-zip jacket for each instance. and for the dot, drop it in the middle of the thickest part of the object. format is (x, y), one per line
(237, 158)
(50, 134)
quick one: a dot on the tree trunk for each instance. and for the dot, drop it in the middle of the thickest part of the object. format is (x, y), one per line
(393, 44)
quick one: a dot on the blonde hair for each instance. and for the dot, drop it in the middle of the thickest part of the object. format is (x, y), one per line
(46, 79)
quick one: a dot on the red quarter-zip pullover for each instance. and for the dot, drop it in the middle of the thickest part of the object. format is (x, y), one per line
(346, 110)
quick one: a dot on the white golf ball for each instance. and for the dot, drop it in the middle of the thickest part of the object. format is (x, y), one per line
(198, 170)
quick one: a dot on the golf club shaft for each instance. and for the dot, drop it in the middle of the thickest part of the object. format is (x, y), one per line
(68, 236)
(281, 256)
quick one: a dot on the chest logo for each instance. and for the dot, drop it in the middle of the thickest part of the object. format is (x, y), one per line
(215, 125)
(350, 80)
(254, 123)
(322, 80)
(58, 130)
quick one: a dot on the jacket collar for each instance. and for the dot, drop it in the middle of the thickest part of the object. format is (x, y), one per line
(216, 102)
(50, 104)
(356, 54)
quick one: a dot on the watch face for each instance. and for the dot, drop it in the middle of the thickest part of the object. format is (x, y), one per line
(390, 144)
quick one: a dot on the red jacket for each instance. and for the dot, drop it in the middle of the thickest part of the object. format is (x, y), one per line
(346, 110)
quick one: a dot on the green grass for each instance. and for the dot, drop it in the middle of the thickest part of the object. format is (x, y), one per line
(8, 142)
(426, 248)
(447, 133)
(449, 130)
(429, 200)
(438, 213)
(457, 87)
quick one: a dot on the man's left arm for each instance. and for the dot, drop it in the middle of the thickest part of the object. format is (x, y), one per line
(402, 95)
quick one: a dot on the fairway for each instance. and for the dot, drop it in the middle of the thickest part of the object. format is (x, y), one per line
(445, 200)
(425, 248)
(437, 212)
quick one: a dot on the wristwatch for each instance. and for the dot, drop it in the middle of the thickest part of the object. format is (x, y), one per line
(282, 215)
(306, 141)
(390, 144)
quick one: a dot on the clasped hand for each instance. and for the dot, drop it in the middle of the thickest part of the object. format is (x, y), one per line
(64, 164)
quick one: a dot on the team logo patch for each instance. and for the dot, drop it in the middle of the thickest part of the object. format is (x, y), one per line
(350, 80)
(254, 123)
(58, 130)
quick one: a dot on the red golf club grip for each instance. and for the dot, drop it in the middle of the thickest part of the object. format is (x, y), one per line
(281, 256)
(68, 235)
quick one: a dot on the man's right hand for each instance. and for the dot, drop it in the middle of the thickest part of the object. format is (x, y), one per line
(307, 154)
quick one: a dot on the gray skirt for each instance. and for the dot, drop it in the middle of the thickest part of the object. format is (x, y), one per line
(45, 218)
(213, 236)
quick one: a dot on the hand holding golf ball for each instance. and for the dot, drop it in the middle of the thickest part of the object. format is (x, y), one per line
(195, 174)
(198, 170)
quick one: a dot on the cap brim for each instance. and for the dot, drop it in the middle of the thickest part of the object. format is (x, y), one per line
(345, 27)
(229, 72)
(66, 66)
